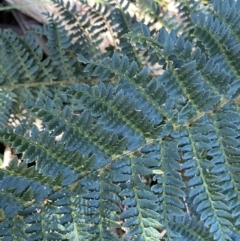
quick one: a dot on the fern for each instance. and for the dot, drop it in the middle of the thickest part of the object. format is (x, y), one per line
(124, 151)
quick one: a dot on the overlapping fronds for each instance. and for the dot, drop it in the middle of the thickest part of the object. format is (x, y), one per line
(139, 155)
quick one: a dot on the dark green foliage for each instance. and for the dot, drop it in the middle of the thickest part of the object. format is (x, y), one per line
(146, 149)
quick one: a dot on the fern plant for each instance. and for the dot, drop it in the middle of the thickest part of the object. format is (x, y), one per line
(139, 142)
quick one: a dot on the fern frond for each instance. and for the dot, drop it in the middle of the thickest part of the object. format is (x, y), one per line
(131, 81)
(58, 43)
(34, 151)
(204, 184)
(227, 12)
(157, 15)
(190, 228)
(84, 34)
(142, 154)
(183, 77)
(185, 10)
(216, 36)
(19, 55)
(169, 185)
(93, 139)
(121, 22)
